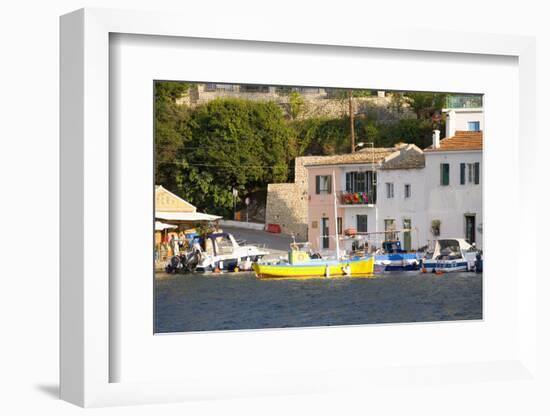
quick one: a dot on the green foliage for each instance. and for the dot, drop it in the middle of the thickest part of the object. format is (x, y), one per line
(296, 104)
(228, 143)
(414, 131)
(202, 153)
(331, 136)
(344, 93)
(170, 90)
(426, 104)
(171, 132)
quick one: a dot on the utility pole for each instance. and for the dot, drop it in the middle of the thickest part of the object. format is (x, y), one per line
(351, 122)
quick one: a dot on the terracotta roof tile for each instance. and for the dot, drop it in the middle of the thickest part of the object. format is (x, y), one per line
(462, 140)
(361, 157)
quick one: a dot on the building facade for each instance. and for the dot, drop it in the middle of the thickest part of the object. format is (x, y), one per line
(376, 191)
(417, 196)
(463, 113)
(453, 177)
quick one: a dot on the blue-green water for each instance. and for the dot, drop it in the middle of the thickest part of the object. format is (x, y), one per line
(240, 301)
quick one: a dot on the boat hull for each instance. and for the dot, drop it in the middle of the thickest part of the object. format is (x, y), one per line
(316, 268)
(446, 266)
(396, 262)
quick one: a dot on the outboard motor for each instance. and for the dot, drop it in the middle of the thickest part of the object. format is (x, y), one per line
(192, 260)
(174, 264)
(479, 263)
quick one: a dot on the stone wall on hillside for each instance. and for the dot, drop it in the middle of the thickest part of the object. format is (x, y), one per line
(287, 203)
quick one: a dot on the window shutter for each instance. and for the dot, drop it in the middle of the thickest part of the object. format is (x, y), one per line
(444, 173)
(462, 173)
(329, 184)
(317, 185)
(348, 182)
(476, 173)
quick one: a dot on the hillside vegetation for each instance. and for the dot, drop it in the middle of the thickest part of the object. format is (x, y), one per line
(202, 153)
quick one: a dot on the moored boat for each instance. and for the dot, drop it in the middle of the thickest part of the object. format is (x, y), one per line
(393, 258)
(216, 252)
(452, 255)
(300, 264)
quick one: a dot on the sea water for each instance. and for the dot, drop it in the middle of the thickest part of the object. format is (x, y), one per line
(212, 302)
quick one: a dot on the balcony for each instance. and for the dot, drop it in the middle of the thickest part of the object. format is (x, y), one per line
(464, 101)
(357, 198)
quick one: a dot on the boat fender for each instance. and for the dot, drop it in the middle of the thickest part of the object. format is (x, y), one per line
(346, 270)
(236, 269)
(327, 271)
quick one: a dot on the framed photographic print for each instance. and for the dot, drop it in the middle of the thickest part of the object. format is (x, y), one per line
(276, 214)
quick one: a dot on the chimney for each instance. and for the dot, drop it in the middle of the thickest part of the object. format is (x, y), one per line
(435, 139)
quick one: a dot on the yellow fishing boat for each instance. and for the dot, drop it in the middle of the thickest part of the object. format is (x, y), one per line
(300, 264)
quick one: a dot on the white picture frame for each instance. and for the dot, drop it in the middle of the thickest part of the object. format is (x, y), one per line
(86, 356)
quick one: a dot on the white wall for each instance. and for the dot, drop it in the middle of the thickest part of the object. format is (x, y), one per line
(399, 207)
(457, 119)
(450, 203)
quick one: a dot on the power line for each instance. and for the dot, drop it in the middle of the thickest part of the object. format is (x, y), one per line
(227, 165)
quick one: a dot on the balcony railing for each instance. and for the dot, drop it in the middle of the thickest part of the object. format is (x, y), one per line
(357, 198)
(464, 101)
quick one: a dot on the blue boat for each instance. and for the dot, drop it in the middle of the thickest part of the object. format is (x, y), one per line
(394, 258)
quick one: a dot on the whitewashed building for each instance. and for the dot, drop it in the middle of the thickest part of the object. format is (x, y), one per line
(402, 197)
(463, 112)
(435, 193)
(453, 175)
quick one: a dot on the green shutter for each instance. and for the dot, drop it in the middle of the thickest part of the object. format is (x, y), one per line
(476, 173)
(317, 185)
(444, 173)
(462, 173)
(329, 184)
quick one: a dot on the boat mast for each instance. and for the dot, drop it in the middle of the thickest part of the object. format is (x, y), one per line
(335, 215)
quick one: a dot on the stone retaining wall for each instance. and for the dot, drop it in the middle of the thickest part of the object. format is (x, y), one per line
(287, 203)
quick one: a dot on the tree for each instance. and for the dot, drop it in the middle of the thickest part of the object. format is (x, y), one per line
(171, 131)
(234, 143)
(426, 104)
(296, 104)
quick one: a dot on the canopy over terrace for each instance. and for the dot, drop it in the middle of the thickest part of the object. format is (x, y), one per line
(185, 217)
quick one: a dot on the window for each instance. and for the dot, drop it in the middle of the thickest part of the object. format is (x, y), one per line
(359, 181)
(407, 190)
(339, 225)
(362, 221)
(469, 173)
(444, 173)
(323, 184)
(389, 228)
(473, 125)
(389, 189)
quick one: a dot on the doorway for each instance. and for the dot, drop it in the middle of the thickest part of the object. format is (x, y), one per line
(470, 228)
(407, 224)
(325, 239)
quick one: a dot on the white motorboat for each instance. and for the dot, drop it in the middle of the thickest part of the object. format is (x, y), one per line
(452, 255)
(221, 252)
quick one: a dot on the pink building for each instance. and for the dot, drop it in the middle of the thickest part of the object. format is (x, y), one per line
(353, 178)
